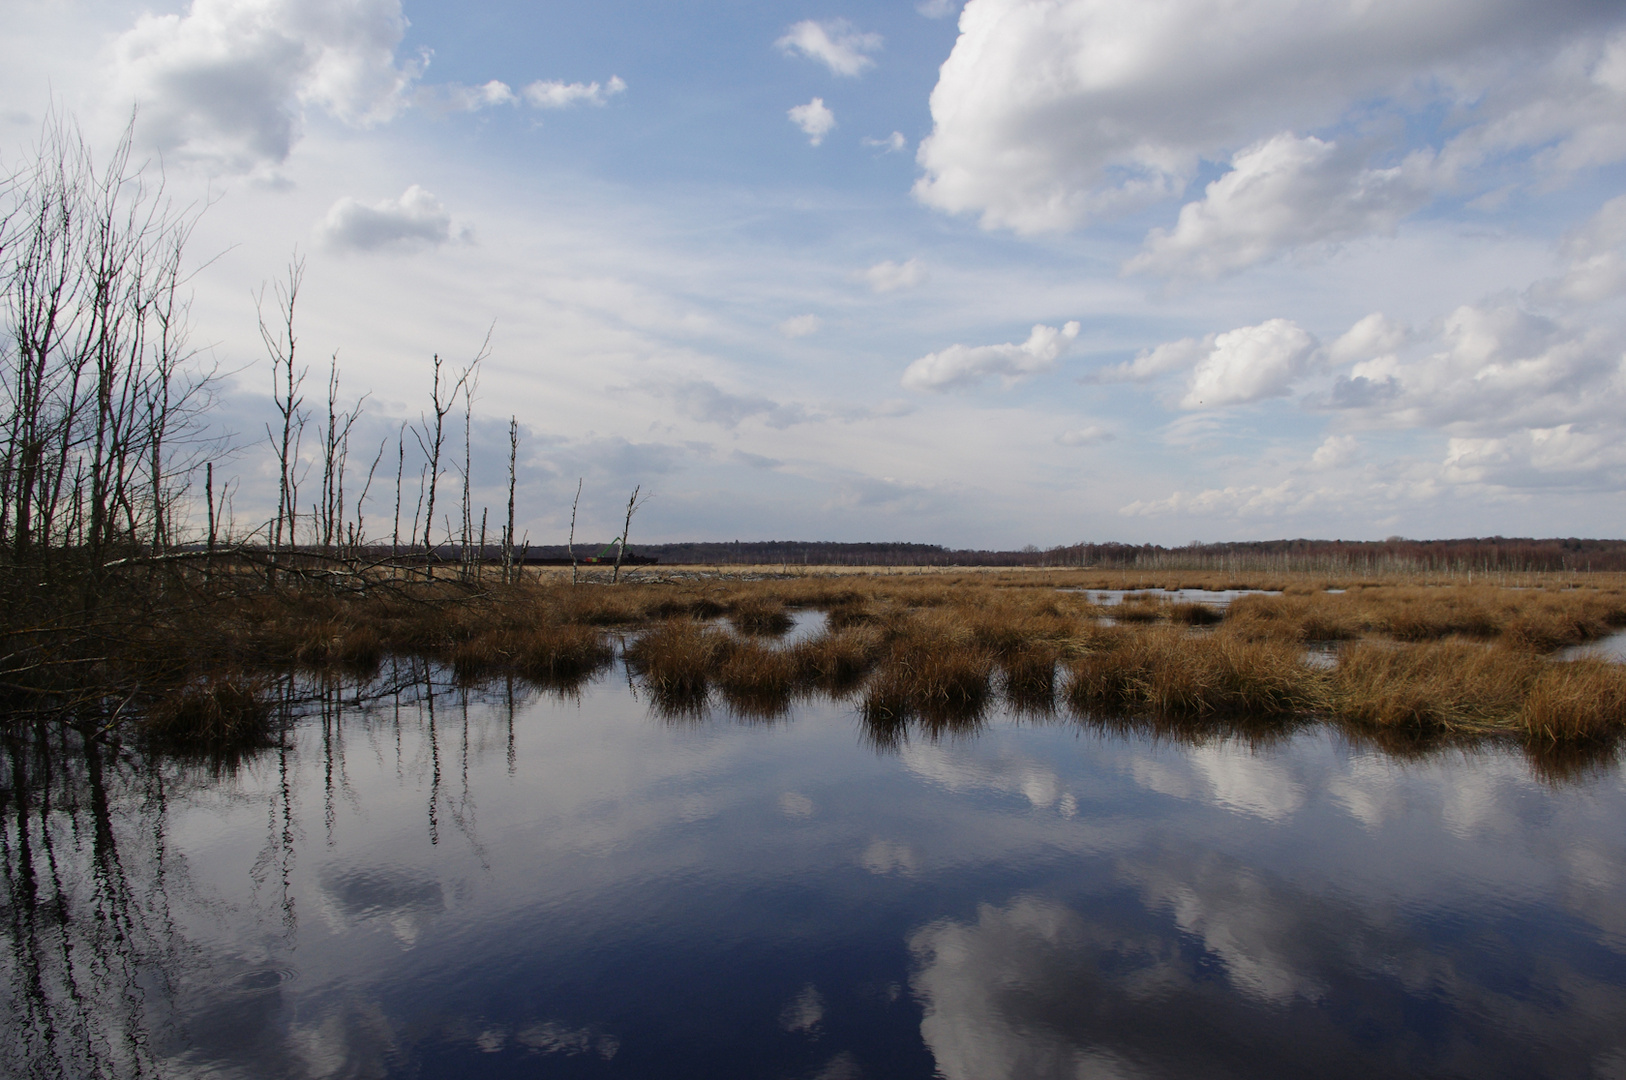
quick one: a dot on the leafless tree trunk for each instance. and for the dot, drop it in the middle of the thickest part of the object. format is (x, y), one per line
(330, 515)
(508, 533)
(437, 437)
(358, 536)
(400, 468)
(471, 383)
(621, 547)
(570, 545)
(280, 344)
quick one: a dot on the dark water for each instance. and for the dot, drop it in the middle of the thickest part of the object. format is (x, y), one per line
(459, 885)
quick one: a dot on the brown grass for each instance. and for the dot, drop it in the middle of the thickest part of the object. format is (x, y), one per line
(934, 678)
(1191, 613)
(676, 660)
(560, 654)
(761, 615)
(1168, 673)
(1438, 685)
(1028, 676)
(838, 660)
(757, 681)
(1581, 700)
(226, 713)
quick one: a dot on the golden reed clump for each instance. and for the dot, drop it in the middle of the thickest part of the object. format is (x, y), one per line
(1169, 673)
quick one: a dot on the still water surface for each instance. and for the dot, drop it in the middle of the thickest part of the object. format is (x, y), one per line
(494, 884)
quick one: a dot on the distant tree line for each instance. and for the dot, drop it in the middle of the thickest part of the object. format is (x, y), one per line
(1492, 554)
(1474, 554)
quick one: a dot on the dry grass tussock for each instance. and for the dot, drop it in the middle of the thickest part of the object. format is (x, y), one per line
(1538, 620)
(1165, 672)
(227, 714)
(1466, 687)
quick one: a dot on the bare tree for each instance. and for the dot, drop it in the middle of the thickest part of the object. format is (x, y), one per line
(471, 383)
(280, 344)
(99, 393)
(330, 515)
(400, 468)
(436, 437)
(358, 533)
(570, 545)
(633, 503)
(508, 533)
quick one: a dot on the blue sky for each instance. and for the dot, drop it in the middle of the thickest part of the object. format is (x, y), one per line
(987, 274)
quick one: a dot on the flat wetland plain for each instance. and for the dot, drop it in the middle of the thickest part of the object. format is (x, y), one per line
(1411, 661)
(775, 821)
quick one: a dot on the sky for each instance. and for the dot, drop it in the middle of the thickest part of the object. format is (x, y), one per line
(983, 274)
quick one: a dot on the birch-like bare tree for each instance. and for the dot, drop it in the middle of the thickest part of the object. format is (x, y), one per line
(100, 395)
(633, 503)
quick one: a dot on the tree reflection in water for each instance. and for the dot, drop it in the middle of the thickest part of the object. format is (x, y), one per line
(96, 976)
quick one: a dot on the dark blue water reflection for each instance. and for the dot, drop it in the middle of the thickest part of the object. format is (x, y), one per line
(574, 887)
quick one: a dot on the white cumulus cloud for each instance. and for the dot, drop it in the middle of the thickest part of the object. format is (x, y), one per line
(1085, 436)
(455, 97)
(415, 220)
(892, 144)
(1490, 369)
(1249, 364)
(836, 44)
(1541, 458)
(1335, 452)
(1596, 257)
(815, 120)
(888, 276)
(1149, 364)
(962, 364)
(228, 81)
(553, 94)
(1050, 113)
(1284, 193)
(799, 326)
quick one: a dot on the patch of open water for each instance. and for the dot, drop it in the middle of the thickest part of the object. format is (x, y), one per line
(1216, 597)
(446, 885)
(1612, 647)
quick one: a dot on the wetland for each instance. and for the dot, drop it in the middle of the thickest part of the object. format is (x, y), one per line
(856, 825)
